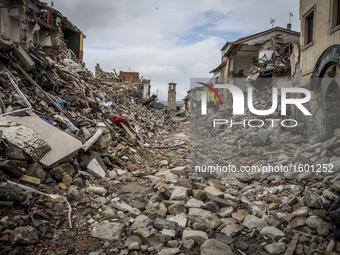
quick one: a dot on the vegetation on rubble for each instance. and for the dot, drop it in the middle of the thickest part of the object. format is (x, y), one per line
(159, 106)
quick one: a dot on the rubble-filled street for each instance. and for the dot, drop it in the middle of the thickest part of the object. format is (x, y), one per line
(91, 163)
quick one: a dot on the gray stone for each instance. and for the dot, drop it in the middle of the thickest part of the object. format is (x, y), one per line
(313, 200)
(131, 239)
(240, 245)
(58, 172)
(232, 230)
(172, 243)
(181, 219)
(188, 244)
(113, 174)
(284, 138)
(224, 238)
(211, 221)
(272, 232)
(200, 195)
(108, 212)
(125, 207)
(314, 221)
(13, 152)
(215, 247)
(212, 191)
(194, 203)
(228, 221)
(170, 177)
(240, 215)
(169, 232)
(75, 195)
(107, 231)
(79, 182)
(297, 222)
(67, 180)
(221, 202)
(329, 195)
(196, 235)
(167, 224)
(141, 221)
(163, 163)
(24, 235)
(134, 246)
(276, 248)
(251, 221)
(179, 194)
(153, 239)
(303, 211)
(6, 45)
(176, 209)
(226, 211)
(211, 207)
(198, 212)
(156, 209)
(97, 190)
(199, 226)
(336, 185)
(103, 141)
(323, 229)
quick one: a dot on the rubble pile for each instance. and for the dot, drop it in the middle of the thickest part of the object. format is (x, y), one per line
(92, 169)
(291, 200)
(278, 65)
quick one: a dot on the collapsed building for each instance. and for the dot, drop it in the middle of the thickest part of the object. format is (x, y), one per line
(265, 54)
(144, 84)
(32, 23)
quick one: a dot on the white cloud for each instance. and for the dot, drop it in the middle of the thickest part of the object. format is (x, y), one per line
(168, 40)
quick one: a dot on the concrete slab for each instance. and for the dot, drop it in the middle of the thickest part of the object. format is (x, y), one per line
(63, 145)
(24, 138)
(95, 169)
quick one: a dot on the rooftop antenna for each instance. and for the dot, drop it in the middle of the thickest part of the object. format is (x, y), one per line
(272, 21)
(290, 17)
(129, 69)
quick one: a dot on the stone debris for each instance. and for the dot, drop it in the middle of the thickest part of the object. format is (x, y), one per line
(124, 168)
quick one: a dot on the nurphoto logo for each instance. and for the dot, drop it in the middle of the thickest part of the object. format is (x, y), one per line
(238, 99)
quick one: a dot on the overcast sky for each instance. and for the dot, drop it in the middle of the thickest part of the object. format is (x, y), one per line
(169, 41)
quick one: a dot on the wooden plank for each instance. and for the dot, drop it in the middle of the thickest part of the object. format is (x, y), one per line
(38, 87)
(129, 132)
(85, 118)
(92, 140)
(292, 245)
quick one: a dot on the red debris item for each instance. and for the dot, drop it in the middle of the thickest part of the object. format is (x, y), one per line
(119, 120)
(292, 200)
(247, 180)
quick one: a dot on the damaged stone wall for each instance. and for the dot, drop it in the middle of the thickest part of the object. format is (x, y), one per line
(108, 76)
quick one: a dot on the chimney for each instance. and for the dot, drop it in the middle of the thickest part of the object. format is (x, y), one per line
(289, 26)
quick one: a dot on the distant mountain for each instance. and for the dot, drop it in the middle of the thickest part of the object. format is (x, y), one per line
(163, 102)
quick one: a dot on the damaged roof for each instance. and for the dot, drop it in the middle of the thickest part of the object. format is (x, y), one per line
(67, 24)
(219, 67)
(244, 39)
(233, 44)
